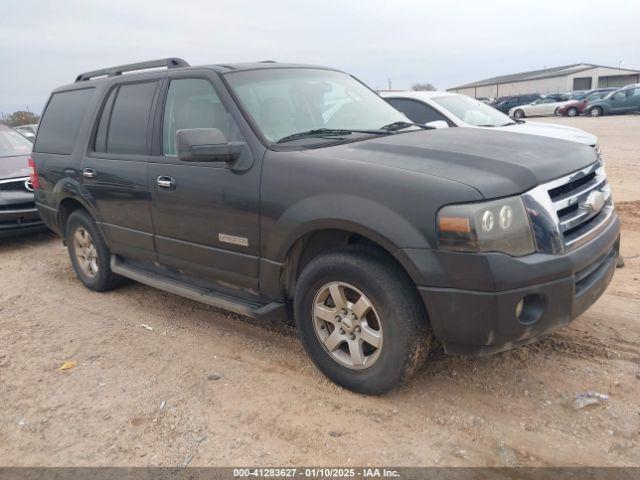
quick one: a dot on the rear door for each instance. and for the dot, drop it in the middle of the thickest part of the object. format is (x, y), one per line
(114, 171)
(205, 214)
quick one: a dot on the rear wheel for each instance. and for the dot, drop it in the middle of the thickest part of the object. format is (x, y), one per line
(572, 112)
(89, 253)
(518, 113)
(361, 320)
(595, 112)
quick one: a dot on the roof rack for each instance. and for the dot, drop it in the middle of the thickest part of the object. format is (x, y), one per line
(132, 67)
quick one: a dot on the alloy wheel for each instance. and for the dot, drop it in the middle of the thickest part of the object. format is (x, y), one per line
(347, 325)
(85, 252)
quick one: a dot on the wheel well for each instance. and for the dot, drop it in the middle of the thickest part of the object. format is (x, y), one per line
(315, 243)
(66, 208)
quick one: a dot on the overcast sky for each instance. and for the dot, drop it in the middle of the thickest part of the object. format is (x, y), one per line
(45, 43)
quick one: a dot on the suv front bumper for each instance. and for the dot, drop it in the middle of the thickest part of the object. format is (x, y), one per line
(472, 306)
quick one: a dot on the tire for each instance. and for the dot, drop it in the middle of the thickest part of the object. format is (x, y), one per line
(518, 113)
(396, 315)
(595, 112)
(572, 112)
(557, 112)
(91, 259)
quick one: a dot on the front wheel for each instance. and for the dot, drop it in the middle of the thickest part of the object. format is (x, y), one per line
(595, 112)
(518, 113)
(572, 112)
(361, 320)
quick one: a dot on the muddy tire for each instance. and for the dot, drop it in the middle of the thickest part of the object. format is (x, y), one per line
(89, 253)
(361, 320)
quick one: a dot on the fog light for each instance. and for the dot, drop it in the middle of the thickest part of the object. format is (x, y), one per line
(530, 308)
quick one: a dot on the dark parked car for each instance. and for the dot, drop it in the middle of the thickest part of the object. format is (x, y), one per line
(577, 106)
(18, 213)
(508, 103)
(624, 100)
(253, 187)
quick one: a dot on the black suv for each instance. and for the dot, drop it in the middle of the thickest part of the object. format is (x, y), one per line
(253, 187)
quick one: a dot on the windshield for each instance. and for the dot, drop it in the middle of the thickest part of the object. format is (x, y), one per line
(13, 144)
(286, 101)
(473, 111)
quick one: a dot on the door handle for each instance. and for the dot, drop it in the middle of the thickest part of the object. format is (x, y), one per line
(89, 173)
(166, 182)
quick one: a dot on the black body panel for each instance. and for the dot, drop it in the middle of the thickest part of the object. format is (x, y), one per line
(226, 230)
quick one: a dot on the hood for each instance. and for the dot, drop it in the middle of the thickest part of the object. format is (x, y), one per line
(551, 130)
(12, 167)
(496, 163)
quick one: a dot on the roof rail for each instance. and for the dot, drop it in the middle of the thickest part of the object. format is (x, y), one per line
(132, 67)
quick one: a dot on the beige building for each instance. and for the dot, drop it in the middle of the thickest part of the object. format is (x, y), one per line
(579, 76)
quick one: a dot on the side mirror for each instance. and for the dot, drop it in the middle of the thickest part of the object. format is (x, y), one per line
(206, 145)
(437, 124)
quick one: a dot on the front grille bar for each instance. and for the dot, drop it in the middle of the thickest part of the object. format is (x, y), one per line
(560, 216)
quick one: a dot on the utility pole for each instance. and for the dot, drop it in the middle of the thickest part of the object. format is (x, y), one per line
(389, 83)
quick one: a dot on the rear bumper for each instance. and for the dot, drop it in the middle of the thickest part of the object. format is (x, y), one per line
(556, 289)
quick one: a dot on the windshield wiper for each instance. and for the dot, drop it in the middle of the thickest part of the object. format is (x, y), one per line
(395, 126)
(327, 132)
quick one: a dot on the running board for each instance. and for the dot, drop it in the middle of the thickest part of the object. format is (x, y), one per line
(270, 311)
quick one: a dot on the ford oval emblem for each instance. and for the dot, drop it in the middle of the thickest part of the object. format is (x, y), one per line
(595, 201)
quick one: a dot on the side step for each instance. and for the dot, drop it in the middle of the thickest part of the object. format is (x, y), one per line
(273, 311)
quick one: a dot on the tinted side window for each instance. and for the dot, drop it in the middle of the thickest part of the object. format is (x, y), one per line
(103, 127)
(129, 123)
(61, 121)
(194, 103)
(416, 111)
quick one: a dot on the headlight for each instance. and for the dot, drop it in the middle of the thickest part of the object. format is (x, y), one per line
(495, 226)
(599, 154)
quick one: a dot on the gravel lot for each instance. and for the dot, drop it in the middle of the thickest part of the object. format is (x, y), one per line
(203, 387)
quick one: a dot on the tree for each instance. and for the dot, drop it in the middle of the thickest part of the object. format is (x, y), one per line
(21, 117)
(423, 87)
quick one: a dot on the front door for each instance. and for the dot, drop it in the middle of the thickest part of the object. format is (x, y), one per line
(115, 170)
(621, 101)
(205, 214)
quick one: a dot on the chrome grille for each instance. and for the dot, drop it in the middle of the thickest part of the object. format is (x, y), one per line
(14, 185)
(567, 212)
(583, 205)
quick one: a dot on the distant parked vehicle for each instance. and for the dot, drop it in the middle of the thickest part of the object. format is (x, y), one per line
(18, 213)
(624, 100)
(538, 108)
(487, 100)
(508, 103)
(27, 131)
(440, 109)
(577, 106)
(562, 97)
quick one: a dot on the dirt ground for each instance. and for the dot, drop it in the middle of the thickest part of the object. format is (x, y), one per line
(204, 387)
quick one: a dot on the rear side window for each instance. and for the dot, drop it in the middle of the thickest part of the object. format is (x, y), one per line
(124, 122)
(61, 121)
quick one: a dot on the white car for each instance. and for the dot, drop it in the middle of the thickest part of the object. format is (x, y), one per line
(444, 109)
(541, 107)
(28, 131)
